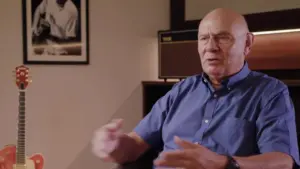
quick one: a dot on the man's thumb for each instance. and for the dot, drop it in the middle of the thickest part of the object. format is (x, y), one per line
(118, 122)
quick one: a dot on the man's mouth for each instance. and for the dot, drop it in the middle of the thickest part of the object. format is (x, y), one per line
(213, 61)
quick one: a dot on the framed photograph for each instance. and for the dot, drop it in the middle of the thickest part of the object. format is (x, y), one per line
(55, 31)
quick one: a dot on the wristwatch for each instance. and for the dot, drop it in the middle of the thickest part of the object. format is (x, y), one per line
(232, 164)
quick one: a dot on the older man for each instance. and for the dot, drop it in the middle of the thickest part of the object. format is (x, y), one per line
(59, 19)
(227, 117)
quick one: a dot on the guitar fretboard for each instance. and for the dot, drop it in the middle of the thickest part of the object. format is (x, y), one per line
(20, 158)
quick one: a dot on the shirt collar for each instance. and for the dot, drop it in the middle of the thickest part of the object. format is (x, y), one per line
(242, 74)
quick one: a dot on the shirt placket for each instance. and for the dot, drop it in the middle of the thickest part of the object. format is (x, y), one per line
(207, 117)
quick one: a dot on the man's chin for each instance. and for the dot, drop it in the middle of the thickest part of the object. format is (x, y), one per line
(214, 71)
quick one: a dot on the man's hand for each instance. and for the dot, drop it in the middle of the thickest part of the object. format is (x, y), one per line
(111, 144)
(191, 156)
(106, 139)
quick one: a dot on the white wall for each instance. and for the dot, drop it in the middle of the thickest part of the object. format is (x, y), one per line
(61, 128)
(196, 9)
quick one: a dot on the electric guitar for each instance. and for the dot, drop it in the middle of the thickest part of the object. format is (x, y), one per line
(14, 156)
(43, 28)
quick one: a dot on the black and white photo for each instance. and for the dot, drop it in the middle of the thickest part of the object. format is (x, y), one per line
(55, 31)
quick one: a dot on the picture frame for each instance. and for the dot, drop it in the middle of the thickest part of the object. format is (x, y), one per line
(55, 32)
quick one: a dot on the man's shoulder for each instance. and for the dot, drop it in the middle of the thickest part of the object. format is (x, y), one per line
(188, 83)
(268, 83)
(190, 80)
(71, 7)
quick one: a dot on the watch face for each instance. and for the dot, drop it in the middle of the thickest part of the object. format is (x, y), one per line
(236, 165)
(233, 164)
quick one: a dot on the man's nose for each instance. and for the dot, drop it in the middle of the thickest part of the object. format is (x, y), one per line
(212, 45)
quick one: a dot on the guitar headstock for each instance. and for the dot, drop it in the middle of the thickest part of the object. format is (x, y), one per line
(22, 77)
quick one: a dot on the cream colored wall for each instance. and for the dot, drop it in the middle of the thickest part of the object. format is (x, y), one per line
(196, 9)
(65, 104)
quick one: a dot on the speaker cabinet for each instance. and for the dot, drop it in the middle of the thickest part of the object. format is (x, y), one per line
(276, 54)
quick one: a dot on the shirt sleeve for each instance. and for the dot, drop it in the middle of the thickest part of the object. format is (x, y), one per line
(276, 126)
(72, 25)
(42, 6)
(150, 127)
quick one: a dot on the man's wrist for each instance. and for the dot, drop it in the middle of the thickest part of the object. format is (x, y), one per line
(222, 161)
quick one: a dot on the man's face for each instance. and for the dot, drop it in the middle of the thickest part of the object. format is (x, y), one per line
(221, 47)
(61, 2)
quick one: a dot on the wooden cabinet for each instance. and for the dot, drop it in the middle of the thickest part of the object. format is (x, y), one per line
(152, 91)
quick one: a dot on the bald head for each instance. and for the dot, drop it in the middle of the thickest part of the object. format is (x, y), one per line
(223, 42)
(226, 19)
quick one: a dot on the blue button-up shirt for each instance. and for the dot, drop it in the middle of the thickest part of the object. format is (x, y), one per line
(251, 114)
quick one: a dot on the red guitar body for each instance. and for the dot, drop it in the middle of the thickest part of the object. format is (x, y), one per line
(8, 158)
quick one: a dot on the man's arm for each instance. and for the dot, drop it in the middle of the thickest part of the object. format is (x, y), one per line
(131, 146)
(147, 134)
(41, 8)
(272, 160)
(72, 25)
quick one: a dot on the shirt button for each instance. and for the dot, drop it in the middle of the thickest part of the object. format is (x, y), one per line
(215, 95)
(206, 121)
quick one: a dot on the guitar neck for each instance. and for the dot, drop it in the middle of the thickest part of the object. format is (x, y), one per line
(20, 156)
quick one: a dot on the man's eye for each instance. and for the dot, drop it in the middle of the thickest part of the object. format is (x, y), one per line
(203, 38)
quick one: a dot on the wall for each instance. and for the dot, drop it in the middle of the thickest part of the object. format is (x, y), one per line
(65, 104)
(196, 9)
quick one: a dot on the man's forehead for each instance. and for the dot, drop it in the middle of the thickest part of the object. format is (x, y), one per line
(217, 26)
(214, 27)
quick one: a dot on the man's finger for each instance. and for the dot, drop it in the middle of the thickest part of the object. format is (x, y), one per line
(117, 121)
(172, 163)
(176, 155)
(184, 144)
(114, 125)
(183, 159)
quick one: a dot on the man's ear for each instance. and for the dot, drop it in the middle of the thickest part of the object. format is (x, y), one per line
(249, 43)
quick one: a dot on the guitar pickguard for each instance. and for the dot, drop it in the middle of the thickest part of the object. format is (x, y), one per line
(29, 165)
